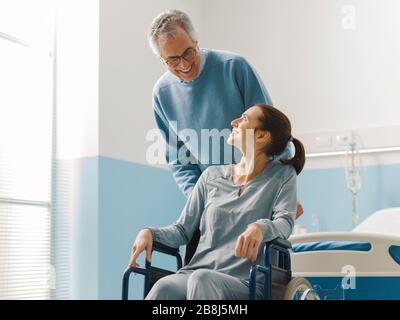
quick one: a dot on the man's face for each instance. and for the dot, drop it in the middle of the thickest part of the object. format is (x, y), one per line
(176, 47)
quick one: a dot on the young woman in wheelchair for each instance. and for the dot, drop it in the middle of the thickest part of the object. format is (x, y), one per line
(237, 208)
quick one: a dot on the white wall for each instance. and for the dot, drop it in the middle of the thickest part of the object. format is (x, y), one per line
(128, 71)
(77, 79)
(325, 76)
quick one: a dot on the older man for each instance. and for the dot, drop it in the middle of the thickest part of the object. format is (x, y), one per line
(202, 89)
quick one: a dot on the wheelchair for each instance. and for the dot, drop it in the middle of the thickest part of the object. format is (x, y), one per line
(278, 281)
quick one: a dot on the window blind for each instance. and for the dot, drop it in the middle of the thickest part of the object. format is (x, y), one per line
(25, 171)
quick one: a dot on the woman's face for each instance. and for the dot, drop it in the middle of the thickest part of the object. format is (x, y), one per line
(245, 134)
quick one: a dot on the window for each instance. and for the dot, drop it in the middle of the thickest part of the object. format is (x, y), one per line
(25, 151)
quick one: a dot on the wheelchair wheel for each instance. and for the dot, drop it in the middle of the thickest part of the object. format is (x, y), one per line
(300, 289)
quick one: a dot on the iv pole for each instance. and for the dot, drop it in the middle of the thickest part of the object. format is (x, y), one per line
(353, 177)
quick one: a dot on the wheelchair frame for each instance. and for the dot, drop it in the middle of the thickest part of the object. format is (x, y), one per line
(277, 270)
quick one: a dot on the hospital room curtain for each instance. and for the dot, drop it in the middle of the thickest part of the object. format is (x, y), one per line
(26, 119)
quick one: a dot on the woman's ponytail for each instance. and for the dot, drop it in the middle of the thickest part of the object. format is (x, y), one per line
(299, 157)
(278, 124)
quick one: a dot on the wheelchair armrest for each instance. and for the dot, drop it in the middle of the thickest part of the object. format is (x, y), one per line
(281, 243)
(158, 246)
(150, 273)
(281, 246)
(125, 279)
(282, 268)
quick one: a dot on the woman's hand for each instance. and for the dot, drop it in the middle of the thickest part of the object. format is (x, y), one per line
(144, 241)
(299, 210)
(248, 243)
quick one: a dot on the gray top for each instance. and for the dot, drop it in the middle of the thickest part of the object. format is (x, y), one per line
(222, 215)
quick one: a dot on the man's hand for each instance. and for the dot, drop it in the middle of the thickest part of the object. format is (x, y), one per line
(249, 242)
(299, 210)
(144, 241)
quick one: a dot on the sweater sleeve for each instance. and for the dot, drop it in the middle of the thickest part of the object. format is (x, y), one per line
(185, 175)
(250, 84)
(180, 232)
(284, 209)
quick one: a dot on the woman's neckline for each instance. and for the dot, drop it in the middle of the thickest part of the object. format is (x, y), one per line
(260, 174)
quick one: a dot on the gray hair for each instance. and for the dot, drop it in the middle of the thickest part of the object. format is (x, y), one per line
(165, 25)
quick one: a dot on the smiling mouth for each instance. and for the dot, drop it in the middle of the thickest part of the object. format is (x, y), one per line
(186, 70)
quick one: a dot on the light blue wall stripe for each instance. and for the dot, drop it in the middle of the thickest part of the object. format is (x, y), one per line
(132, 196)
(85, 228)
(75, 243)
(324, 192)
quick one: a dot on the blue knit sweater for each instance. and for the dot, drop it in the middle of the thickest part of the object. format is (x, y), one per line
(226, 87)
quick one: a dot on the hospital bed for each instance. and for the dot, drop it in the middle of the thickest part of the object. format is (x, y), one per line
(361, 264)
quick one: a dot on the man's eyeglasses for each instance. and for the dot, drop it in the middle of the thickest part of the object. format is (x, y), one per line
(188, 55)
